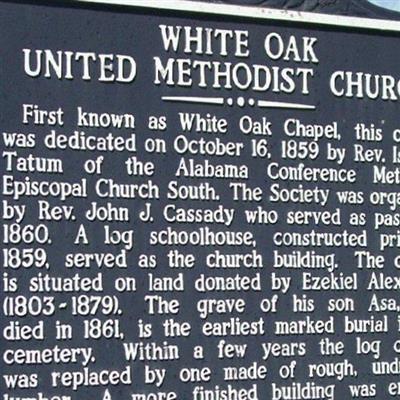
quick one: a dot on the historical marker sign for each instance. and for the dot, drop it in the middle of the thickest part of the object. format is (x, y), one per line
(198, 202)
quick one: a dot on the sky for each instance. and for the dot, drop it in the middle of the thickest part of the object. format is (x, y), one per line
(391, 4)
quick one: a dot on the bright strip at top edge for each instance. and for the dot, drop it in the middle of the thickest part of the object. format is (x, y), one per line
(258, 13)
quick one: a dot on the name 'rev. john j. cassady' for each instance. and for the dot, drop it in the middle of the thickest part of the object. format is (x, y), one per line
(204, 53)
